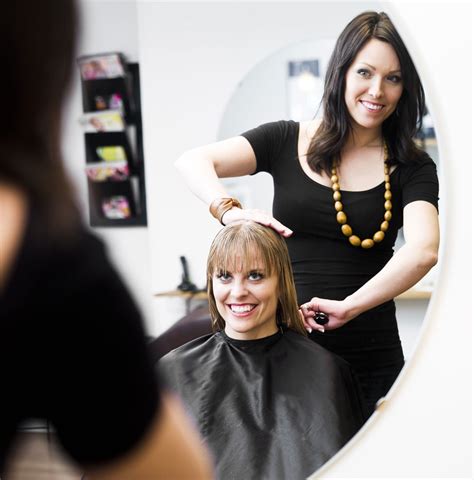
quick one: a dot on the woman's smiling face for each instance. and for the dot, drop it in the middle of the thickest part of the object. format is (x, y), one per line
(373, 85)
(247, 301)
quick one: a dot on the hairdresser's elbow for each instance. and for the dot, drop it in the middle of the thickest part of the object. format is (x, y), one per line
(428, 257)
(433, 260)
(193, 160)
(183, 161)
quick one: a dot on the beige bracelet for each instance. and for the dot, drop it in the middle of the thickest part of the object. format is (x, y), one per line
(222, 205)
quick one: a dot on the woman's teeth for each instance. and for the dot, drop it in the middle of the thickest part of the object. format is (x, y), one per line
(241, 308)
(372, 106)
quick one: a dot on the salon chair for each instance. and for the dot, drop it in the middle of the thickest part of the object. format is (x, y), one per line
(191, 326)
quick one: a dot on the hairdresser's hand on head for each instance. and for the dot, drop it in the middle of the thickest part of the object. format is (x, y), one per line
(202, 167)
(337, 311)
(235, 214)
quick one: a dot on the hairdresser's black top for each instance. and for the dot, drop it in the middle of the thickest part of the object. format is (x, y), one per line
(72, 348)
(324, 263)
(274, 408)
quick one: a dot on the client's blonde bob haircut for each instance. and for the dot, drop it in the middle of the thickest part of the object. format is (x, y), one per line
(242, 245)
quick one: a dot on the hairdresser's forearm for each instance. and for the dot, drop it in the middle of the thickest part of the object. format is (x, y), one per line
(408, 265)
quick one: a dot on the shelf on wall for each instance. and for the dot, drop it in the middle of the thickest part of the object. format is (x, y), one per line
(115, 199)
(414, 294)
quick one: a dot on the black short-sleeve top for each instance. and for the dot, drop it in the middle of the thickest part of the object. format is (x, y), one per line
(73, 348)
(324, 263)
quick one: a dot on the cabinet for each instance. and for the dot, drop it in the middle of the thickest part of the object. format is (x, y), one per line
(113, 139)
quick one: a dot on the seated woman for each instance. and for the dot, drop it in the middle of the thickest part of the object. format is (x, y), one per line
(269, 402)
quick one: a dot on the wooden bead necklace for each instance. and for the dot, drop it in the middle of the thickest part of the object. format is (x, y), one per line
(341, 217)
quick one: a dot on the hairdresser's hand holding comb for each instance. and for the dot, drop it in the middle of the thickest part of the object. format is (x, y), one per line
(338, 313)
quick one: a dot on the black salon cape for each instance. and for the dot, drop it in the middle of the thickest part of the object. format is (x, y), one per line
(273, 408)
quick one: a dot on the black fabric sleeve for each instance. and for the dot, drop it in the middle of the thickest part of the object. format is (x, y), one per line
(104, 393)
(420, 182)
(267, 141)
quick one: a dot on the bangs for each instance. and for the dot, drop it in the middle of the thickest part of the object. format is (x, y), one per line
(242, 250)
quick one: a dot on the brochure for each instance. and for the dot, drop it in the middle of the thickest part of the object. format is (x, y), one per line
(113, 101)
(116, 207)
(101, 66)
(104, 121)
(111, 153)
(107, 171)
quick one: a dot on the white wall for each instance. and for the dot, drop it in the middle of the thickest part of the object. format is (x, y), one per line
(192, 56)
(108, 26)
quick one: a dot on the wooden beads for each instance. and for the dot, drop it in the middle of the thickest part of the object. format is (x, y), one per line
(346, 230)
(354, 240)
(378, 236)
(341, 217)
(367, 243)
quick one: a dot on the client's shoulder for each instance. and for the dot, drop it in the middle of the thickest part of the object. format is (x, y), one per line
(313, 351)
(194, 347)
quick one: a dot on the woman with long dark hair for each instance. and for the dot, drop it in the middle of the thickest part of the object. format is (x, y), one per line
(72, 343)
(344, 185)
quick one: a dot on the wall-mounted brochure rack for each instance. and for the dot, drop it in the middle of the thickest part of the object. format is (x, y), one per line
(113, 137)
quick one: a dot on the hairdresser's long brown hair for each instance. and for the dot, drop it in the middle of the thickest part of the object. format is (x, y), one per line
(37, 48)
(244, 242)
(399, 129)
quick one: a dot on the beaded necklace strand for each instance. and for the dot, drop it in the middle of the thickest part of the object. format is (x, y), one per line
(341, 217)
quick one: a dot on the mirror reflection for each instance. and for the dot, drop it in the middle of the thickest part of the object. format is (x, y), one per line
(287, 92)
(345, 180)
